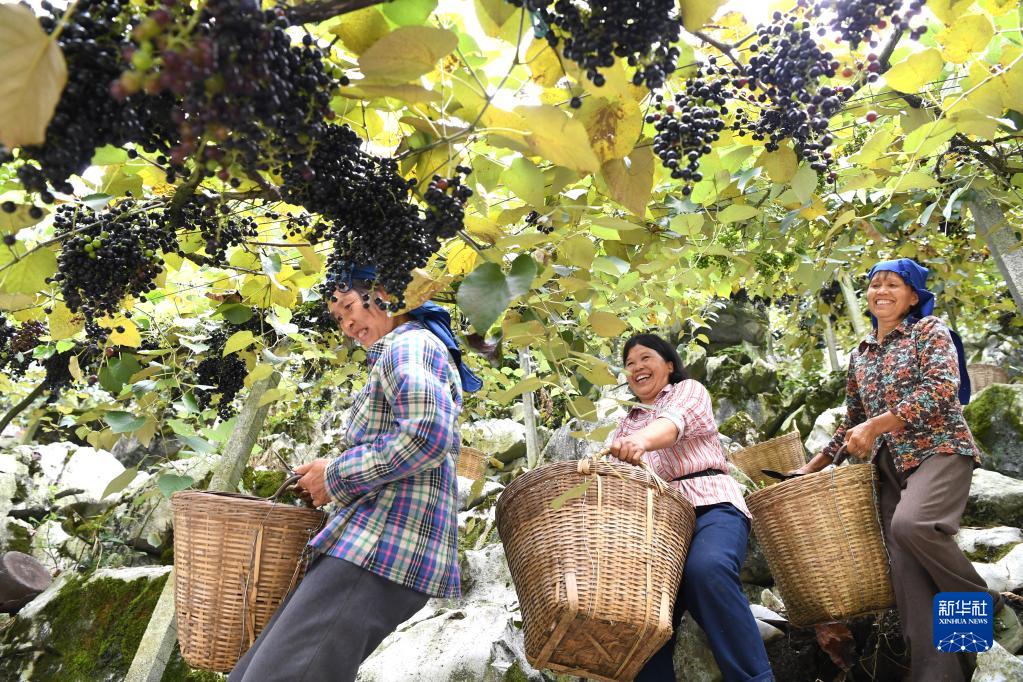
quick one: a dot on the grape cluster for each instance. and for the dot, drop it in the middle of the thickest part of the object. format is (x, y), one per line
(542, 223)
(219, 377)
(218, 227)
(598, 32)
(108, 255)
(687, 127)
(829, 296)
(856, 20)
(239, 82)
(16, 345)
(783, 87)
(86, 116)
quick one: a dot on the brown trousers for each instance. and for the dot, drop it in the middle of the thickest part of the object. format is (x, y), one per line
(920, 515)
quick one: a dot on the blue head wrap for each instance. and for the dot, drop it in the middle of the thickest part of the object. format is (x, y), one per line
(915, 275)
(435, 318)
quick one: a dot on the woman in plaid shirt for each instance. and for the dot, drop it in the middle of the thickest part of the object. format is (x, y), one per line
(674, 432)
(392, 543)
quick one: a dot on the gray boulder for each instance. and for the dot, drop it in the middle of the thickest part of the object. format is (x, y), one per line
(995, 500)
(824, 429)
(504, 439)
(988, 544)
(998, 665)
(755, 569)
(693, 660)
(995, 416)
(1006, 574)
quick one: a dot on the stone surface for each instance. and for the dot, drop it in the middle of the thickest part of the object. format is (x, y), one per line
(486, 489)
(740, 428)
(823, 429)
(755, 569)
(995, 416)
(504, 439)
(988, 544)
(1009, 630)
(478, 635)
(995, 500)
(693, 660)
(998, 665)
(1006, 574)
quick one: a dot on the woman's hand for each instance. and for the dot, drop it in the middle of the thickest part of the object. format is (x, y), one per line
(859, 440)
(314, 481)
(629, 448)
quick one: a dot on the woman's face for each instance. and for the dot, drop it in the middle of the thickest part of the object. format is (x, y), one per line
(648, 372)
(365, 325)
(889, 298)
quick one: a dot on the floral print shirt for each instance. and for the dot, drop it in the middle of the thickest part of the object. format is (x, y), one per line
(914, 373)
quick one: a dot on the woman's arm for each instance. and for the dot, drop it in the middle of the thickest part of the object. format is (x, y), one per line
(660, 433)
(855, 415)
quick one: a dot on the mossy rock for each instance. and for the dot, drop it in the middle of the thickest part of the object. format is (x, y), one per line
(995, 416)
(265, 482)
(88, 630)
(741, 428)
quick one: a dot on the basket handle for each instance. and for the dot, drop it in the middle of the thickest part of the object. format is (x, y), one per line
(289, 482)
(654, 478)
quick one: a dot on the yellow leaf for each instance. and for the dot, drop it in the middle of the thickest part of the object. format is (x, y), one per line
(999, 7)
(461, 259)
(274, 394)
(129, 337)
(737, 212)
(258, 372)
(64, 324)
(311, 261)
(554, 136)
(915, 71)
(929, 137)
(74, 369)
(915, 180)
(949, 11)
(612, 125)
(696, 13)
(630, 180)
(15, 301)
(407, 53)
(967, 37)
(32, 76)
(483, 229)
(877, 145)
(494, 14)
(11, 223)
(359, 30)
(577, 251)
(27, 275)
(780, 165)
(238, 341)
(525, 181)
(146, 432)
(606, 324)
(544, 64)
(406, 92)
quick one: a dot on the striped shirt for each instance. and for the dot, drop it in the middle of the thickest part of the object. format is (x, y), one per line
(395, 477)
(687, 404)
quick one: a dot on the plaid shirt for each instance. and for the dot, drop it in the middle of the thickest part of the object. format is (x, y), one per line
(687, 405)
(395, 479)
(914, 373)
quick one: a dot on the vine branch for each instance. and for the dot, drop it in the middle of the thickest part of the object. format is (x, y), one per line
(321, 10)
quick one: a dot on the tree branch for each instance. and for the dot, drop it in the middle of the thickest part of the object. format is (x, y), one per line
(722, 47)
(321, 10)
(25, 402)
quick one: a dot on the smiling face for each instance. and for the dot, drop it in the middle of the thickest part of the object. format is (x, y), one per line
(889, 298)
(648, 372)
(365, 325)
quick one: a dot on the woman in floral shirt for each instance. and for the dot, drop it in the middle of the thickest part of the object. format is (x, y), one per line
(906, 383)
(673, 431)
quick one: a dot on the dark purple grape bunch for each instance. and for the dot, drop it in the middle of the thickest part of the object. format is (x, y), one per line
(219, 379)
(219, 228)
(542, 223)
(856, 21)
(109, 255)
(688, 126)
(17, 344)
(595, 34)
(786, 92)
(445, 200)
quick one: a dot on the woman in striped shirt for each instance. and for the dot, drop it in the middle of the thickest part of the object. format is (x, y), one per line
(673, 431)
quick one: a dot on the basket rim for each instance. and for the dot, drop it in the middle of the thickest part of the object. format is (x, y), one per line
(251, 502)
(770, 442)
(807, 481)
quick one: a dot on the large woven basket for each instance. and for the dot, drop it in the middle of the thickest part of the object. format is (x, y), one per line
(983, 375)
(235, 559)
(472, 463)
(821, 534)
(597, 576)
(781, 454)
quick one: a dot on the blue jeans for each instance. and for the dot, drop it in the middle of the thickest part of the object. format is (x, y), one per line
(712, 593)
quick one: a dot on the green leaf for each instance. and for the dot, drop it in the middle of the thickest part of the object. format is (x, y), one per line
(235, 313)
(27, 275)
(172, 483)
(577, 251)
(117, 372)
(530, 383)
(120, 482)
(197, 444)
(359, 30)
(409, 12)
(238, 341)
(915, 71)
(526, 181)
(572, 493)
(804, 182)
(521, 276)
(696, 13)
(10, 223)
(407, 53)
(32, 76)
(734, 213)
(123, 422)
(483, 296)
(109, 154)
(610, 265)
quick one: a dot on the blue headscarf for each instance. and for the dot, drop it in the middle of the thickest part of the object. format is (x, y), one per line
(915, 275)
(435, 318)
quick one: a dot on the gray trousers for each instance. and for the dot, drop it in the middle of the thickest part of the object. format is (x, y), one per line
(327, 626)
(919, 522)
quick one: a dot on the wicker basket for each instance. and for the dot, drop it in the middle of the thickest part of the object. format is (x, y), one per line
(821, 534)
(597, 577)
(781, 454)
(472, 463)
(235, 559)
(983, 375)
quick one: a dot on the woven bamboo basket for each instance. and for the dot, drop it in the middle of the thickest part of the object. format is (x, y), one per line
(821, 534)
(597, 576)
(472, 463)
(983, 375)
(235, 559)
(781, 454)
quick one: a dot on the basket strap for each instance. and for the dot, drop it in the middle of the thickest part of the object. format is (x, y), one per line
(252, 591)
(648, 556)
(572, 592)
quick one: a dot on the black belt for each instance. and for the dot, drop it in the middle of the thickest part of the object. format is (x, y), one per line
(698, 474)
